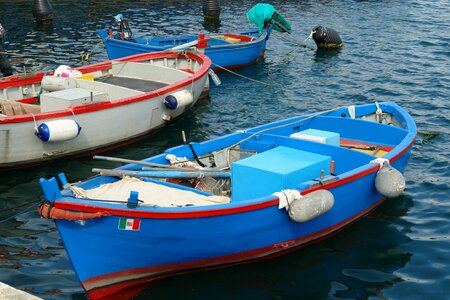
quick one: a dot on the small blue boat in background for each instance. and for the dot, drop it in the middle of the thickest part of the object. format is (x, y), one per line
(243, 197)
(227, 50)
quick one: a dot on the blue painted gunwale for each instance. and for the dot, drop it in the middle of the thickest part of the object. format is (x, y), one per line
(227, 55)
(183, 239)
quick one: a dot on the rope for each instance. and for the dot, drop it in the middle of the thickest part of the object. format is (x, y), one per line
(75, 118)
(296, 43)
(245, 77)
(35, 124)
(18, 206)
(33, 205)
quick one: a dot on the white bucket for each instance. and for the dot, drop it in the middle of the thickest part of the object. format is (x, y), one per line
(68, 72)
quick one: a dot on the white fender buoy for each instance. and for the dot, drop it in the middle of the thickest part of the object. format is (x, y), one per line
(53, 83)
(311, 206)
(178, 99)
(58, 130)
(389, 182)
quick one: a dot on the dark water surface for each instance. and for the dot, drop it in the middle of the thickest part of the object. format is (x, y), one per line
(394, 51)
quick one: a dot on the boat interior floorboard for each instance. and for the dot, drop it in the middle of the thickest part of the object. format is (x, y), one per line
(134, 83)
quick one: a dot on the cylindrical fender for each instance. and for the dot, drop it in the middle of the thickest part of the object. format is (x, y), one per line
(389, 182)
(58, 130)
(53, 83)
(311, 206)
(178, 99)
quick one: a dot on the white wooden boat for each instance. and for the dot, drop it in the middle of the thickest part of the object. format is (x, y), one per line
(95, 107)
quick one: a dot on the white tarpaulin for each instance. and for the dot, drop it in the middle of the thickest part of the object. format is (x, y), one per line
(152, 194)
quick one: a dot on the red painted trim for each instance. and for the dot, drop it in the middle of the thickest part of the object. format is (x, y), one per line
(20, 80)
(165, 215)
(83, 153)
(187, 71)
(81, 109)
(31, 100)
(112, 283)
(215, 212)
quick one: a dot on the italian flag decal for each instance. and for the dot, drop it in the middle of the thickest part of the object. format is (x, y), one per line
(129, 224)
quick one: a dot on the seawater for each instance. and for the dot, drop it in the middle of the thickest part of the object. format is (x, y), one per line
(394, 51)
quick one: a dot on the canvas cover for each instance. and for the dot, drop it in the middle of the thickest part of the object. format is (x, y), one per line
(152, 194)
(14, 108)
(263, 13)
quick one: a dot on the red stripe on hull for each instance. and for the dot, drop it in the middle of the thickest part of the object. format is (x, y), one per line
(123, 284)
(215, 212)
(90, 152)
(81, 109)
(18, 80)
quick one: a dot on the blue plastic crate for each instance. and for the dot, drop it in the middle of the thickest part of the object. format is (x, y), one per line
(275, 170)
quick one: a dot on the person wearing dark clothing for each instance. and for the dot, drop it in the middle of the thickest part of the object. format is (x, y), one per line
(5, 66)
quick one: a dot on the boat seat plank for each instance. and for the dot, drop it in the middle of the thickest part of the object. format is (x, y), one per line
(114, 91)
(134, 83)
(151, 72)
(355, 129)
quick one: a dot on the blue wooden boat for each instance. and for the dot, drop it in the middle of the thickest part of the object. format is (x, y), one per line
(261, 192)
(228, 50)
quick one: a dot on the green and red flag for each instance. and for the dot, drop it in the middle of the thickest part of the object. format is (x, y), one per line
(129, 224)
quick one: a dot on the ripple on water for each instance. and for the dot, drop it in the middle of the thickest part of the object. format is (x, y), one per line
(393, 50)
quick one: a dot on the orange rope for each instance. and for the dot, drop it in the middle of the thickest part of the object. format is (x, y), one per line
(49, 212)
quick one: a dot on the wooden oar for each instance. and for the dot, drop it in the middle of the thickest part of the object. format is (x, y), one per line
(180, 169)
(182, 46)
(161, 174)
(360, 147)
(137, 162)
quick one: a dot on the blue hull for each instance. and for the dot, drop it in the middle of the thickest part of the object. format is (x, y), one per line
(176, 240)
(222, 54)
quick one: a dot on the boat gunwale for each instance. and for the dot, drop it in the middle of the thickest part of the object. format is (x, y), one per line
(252, 204)
(106, 65)
(246, 44)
